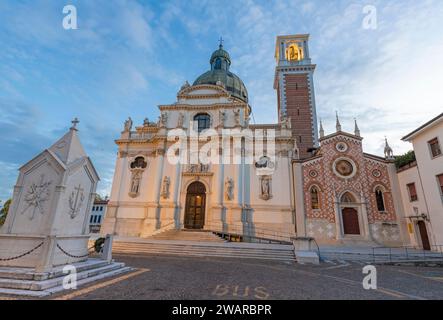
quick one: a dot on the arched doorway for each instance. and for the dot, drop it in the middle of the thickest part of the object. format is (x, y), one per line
(351, 224)
(195, 206)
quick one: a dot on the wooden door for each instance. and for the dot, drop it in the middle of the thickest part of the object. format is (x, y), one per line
(424, 235)
(195, 206)
(350, 221)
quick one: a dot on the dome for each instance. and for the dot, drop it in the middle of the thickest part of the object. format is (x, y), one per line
(220, 62)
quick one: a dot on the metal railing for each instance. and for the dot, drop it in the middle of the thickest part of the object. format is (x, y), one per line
(407, 253)
(247, 233)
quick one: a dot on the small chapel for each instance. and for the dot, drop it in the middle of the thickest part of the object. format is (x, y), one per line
(285, 179)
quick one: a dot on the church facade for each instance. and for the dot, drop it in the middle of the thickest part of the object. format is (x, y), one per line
(203, 165)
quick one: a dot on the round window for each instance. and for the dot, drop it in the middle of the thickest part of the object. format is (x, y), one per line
(344, 168)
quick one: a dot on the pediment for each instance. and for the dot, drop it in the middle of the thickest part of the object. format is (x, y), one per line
(205, 90)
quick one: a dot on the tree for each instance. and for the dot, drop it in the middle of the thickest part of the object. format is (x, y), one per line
(4, 211)
(404, 159)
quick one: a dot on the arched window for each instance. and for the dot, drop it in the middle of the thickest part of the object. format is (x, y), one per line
(379, 199)
(203, 121)
(347, 198)
(315, 202)
(218, 64)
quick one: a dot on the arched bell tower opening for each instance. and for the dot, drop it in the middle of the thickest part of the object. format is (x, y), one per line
(195, 206)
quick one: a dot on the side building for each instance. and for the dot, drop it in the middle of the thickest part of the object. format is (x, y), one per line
(421, 184)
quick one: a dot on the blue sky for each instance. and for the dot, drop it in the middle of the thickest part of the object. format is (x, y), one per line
(127, 57)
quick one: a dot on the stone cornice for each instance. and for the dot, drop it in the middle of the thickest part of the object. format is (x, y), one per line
(232, 105)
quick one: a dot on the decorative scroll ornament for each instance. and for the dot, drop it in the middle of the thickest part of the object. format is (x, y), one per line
(36, 196)
(76, 201)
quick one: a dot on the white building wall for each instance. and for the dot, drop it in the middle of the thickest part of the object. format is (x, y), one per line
(428, 169)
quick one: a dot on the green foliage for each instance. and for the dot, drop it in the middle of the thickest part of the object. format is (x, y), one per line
(98, 244)
(4, 211)
(404, 159)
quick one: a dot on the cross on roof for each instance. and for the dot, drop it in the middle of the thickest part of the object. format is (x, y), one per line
(74, 123)
(221, 41)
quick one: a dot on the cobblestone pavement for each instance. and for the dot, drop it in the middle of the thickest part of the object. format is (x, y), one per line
(167, 277)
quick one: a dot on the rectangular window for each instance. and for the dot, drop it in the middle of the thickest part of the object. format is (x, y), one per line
(440, 184)
(434, 146)
(90, 219)
(412, 192)
(99, 219)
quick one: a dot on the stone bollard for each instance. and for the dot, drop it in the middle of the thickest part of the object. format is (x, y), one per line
(107, 248)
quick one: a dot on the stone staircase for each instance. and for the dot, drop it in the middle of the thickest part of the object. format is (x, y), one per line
(188, 235)
(27, 282)
(201, 244)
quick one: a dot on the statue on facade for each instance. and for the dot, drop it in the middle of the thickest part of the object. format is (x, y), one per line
(165, 189)
(185, 85)
(237, 117)
(163, 119)
(146, 122)
(135, 183)
(128, 125)
(265, 188)
(222, 115)
(229, 184)
(181, 120)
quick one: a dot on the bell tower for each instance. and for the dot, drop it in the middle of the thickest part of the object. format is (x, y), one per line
(295, 89)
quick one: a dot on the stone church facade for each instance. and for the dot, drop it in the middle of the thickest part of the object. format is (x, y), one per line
(277, 180)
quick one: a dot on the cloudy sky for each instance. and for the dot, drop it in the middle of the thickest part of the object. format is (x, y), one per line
(127, 57)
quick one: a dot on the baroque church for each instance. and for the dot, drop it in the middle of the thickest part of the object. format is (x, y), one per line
(276, 180)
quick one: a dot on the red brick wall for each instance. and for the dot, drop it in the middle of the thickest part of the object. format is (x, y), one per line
(296, 88)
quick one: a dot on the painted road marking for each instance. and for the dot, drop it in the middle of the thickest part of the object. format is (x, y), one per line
(390, 292)
(101, 285)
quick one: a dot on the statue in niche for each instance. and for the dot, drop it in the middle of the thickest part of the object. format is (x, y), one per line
(135, 183)
(265, 188)
(181, 120)
(237, 117)
(165, 189)
(229, 184)
(128, 125)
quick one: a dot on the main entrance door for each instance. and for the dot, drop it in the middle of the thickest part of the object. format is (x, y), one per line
(424, 235)
(350, 221)
(195, 206)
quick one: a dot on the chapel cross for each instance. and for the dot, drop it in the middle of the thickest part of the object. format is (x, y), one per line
(221, 42)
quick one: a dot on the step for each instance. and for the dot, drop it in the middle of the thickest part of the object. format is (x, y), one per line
(181, 244)
(203, 249)
(184, 252)
(30, 274)
(36, 285)
(196, 254)
(49, 291)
